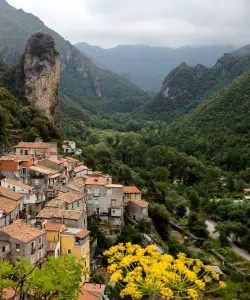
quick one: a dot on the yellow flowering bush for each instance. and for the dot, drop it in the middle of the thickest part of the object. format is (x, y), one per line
(144, 272)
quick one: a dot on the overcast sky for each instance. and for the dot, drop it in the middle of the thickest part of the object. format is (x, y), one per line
(107, 23)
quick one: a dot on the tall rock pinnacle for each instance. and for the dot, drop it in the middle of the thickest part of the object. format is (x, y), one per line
(41, 71)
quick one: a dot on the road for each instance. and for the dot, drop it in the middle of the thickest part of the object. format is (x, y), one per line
(215, 235)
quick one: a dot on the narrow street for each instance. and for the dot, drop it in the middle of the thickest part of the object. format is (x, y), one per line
(214, 235)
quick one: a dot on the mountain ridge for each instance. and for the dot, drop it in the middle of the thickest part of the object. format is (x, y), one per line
(148, 65)
(94, 87)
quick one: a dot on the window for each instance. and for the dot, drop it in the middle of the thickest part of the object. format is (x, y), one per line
(96, 201)
(40, 240)
(14, 188)
(113, 211)
(8, 186)
(17, 247)
(98, 210)
(69, 251)
(78, 204)
(3, 249)
(84, 222)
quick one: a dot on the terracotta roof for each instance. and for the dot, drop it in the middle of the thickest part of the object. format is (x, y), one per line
(22, 231)
(8, 205)
(54, 160)
(131, 190)
(85, 295)
(82, 234)
(16, 158)
(56, 203)
(78, 181)
(18, 183)
(53, 227)
(114, 186)
(10, 194)
(34, 145)
(43, 170)
(9, 294)
(50, 213)
(140, 203)
(71, 196)
(96, 180)
(94, 288)
(80, 168)
(51, 246)
(71, 159)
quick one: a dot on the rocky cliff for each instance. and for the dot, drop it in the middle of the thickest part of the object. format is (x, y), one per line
(41, 68)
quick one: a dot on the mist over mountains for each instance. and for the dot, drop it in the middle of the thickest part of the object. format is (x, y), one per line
(147, 66)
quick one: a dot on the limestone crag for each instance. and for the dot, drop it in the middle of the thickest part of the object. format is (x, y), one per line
(41, 71)
(73, 60)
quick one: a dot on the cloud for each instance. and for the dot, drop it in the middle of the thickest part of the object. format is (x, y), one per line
(155, 22)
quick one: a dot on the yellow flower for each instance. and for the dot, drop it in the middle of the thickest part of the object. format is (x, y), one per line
(222, 284)
(145, 272)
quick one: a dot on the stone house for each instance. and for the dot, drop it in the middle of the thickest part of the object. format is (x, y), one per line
(70, 218)
(25, 241)
(77, 184)
(131, 192)
(15, 166)
(31, 201)
(37, 149)
(70, 200)
(104, 199)
(12, 195)
(69, 147)
(9, 211)
(138, 209)
(45, 180)
(81, 170)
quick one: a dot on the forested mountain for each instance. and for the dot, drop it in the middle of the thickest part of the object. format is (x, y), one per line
(186, 86)
(218, 129)
(147, 66)
(84, 86)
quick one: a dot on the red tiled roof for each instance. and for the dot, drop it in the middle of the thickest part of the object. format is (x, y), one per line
(34, 145)
(85, 295)
(95, 288)
(7, 205)
(18, 183)
(53, 227)
(55, 213)
(140, 203)
(9, 294)
(131, 190)
(80, 168)
(82, 234)
(96, 180)
(10, 194)
(16, 158)
(22, 231)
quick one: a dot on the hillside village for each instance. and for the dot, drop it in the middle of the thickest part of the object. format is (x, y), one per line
(46, 199)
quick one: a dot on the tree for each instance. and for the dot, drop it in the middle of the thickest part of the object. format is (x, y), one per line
(60, 278)
(194, 199)
(144, 273)
(181, 210)
(160, 217)
(6, 277)
(160, 174)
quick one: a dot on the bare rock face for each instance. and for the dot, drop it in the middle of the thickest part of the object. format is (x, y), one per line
(41, 70)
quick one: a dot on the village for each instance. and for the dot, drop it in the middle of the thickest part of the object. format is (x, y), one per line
(46, 199)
